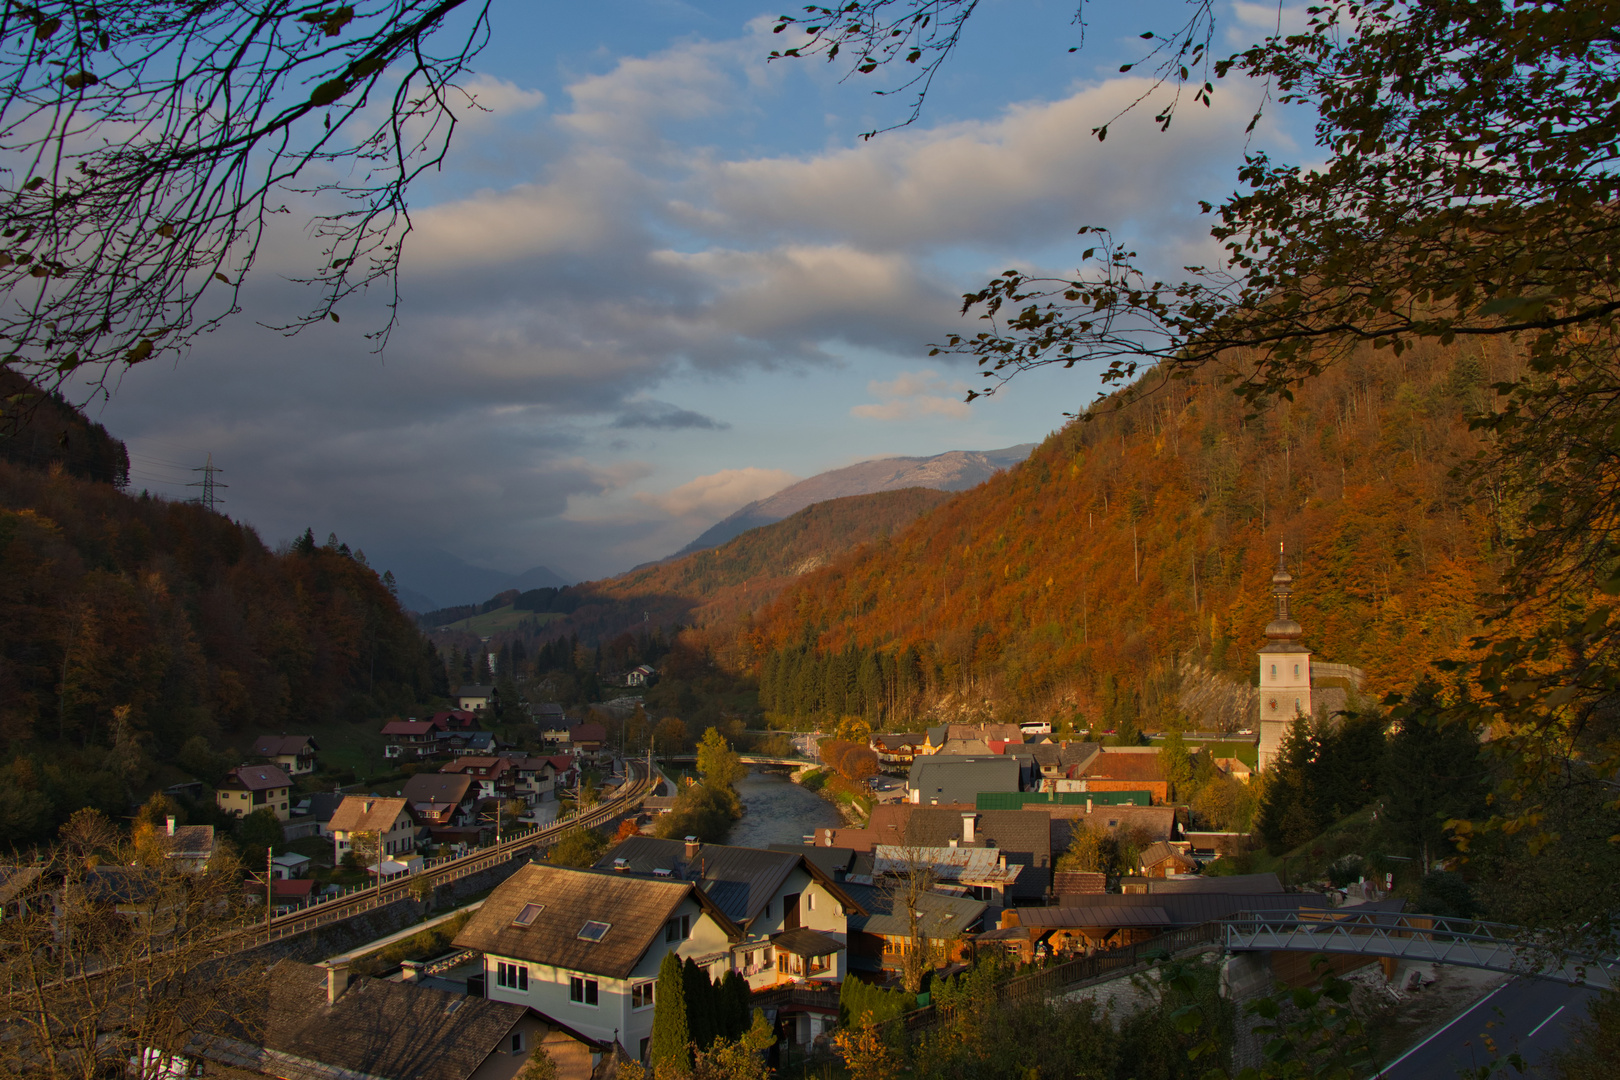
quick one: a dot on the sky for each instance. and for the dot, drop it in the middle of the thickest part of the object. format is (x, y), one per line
(659, 277)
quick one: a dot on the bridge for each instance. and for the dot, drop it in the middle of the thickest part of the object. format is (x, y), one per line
(1514, 950)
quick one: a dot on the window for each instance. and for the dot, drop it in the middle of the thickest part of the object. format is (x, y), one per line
(810, 901)
(581, 991)
(517, 1042)
(1273, 671)
(1296, 670)
(529, 913)
(644, 1043)
(512, 976)
(593, 930)
(641, 995)
(678, 929)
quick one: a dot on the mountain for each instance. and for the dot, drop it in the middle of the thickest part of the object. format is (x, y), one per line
(42, 430)
(722, 586)
(1139, 545)
(955, 470)
(432, 578)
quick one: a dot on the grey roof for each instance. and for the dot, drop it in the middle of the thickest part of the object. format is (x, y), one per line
(474, 690)
(323, 804)
(437, 788)
(891, 740)
(939, 915)
(739, 880)
(1024, 836)
(802, 941)
(272, 745)
(376, 1028)
(833, 861)
(1063, 755)
(945, 779)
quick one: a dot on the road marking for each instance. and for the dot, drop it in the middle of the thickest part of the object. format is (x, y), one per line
(1385, 1070)
(1545, 1022)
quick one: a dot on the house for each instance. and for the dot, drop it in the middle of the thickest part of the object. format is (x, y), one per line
(1125, 769)
(455, 720)
(1144, 824)
(897, 748)
(1235, 768)
(939, 779)
(315, 1023)
(473, 699)
(286, 894)
(1078, 923)
(1159, 860)
(641, 675)
(411, 740)
(189, 845)
(389, 819)
(770, 895)
(880, 939)
(295, 754)
(548, 714)
(442, 800)
(494, 777)
(466, 743)
(587, 738)
(535, 779)
(1055, 760)
(584, 946)
(247, 789)
(290, 865)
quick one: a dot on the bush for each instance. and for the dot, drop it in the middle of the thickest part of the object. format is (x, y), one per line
(1446, 894)
(857, 998)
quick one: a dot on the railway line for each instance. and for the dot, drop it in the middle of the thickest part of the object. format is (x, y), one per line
(637, 786)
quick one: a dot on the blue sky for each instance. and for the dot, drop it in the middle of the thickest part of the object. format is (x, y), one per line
(660, 277)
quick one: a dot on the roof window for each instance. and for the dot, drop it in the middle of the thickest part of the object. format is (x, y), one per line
(593, 930)
(529, 913)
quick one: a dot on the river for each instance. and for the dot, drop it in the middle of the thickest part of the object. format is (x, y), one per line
(779, 811)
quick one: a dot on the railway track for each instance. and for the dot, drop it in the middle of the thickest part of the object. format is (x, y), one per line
(639, 785)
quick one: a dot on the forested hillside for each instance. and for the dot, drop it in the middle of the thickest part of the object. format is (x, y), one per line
(719, 586)
(1079, 584)
(138, 635)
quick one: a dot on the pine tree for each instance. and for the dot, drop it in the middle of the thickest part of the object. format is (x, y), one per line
(700, 1005)
(669, 1051)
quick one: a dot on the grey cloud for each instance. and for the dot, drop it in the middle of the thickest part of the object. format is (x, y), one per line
(661, 416)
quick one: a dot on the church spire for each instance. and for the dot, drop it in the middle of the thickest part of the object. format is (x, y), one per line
(1283, 627)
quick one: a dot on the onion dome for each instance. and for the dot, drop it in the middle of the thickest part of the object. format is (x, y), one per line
(1283, 627)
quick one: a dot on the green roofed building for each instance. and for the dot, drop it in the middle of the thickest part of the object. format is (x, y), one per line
(1017, 800)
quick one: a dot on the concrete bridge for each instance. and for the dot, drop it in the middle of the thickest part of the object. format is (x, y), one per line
(1463, 942)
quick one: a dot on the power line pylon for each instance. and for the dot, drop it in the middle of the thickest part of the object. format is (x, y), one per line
(208, 484)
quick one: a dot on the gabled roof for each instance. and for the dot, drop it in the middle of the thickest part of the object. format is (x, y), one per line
(257, 778)
(740, 880)
(496, 765)
(1157, 822)
(833, 861)
(408, 727)
(939, 916)
(1117, 766)
(276, 745)
(895, 740)
(591, 732)
(366, 813)
(1159, 851)
(440, 788)
(375, 1029)
(635, 908)
(1063, 755)
(189, 842)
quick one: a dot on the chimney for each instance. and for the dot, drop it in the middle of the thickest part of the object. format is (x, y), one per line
(953, 841)
(622, 865)
(337, 980)
(692, 847)
(1002, 861)
(171, 824)
(968, 822)
(411, 970)
(1088, 804)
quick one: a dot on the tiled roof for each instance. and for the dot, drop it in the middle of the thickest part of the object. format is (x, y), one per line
(1064, 755)
(437, 788)
(190, 841)
(257, 778)
(635, 908)
(1157, 822)
(408, 727)
(587, 733)
(366, 813)
(496, 765)
(375, 1029)
(1107, 766)
(1158, 852)
(939, 915)
(740, 880)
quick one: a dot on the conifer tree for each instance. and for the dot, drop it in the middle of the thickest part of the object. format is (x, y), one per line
(700, 1005)
(669, 1051)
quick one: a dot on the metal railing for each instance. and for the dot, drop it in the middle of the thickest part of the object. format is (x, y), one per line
(1429, 938)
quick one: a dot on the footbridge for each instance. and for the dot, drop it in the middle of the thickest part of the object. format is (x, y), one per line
(1428, 938)
(747, 759)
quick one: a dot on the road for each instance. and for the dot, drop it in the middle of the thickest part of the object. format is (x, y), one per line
(1531, 1016)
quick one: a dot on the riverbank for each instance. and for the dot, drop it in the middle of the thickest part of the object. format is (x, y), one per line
(813, 778)
(778, 811)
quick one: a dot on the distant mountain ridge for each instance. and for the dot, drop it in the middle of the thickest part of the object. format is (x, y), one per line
(954, 470)
(431, 578)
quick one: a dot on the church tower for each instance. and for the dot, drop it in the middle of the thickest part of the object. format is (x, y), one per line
(1285, 670)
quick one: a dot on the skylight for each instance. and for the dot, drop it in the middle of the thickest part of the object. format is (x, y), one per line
(593, 930)
(529, 913)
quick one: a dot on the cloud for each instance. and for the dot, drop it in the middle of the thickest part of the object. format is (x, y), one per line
(915, 394)
(718, 494)
(662, 416)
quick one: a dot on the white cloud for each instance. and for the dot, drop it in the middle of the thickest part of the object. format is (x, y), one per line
(718, 494)
(914, 394)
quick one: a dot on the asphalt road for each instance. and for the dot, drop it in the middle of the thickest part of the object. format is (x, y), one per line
(1531, 1016)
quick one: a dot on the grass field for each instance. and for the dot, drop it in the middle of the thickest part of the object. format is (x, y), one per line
(353, 746)
(1246, 752)
(491, 622)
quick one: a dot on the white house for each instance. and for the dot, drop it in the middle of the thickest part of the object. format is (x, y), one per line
(390, 819)
(792, 917)
(584, 947)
